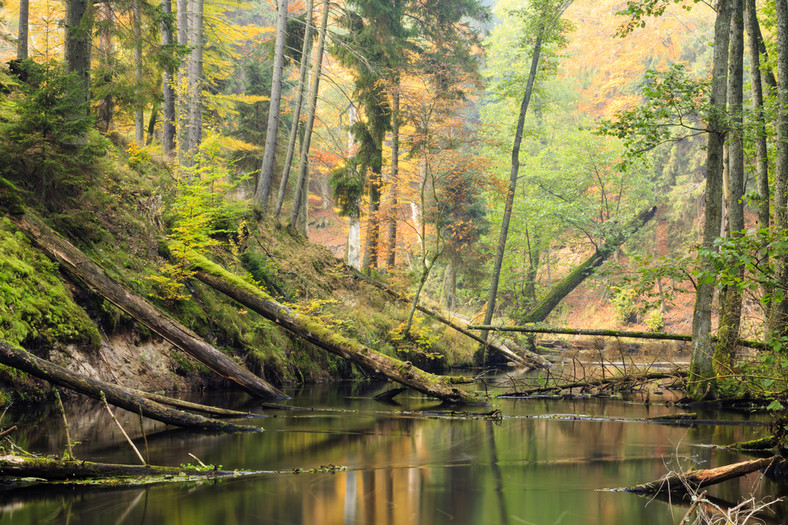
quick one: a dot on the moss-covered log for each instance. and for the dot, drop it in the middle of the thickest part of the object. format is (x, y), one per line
(118, 396)
(660, 336)
(524, 357)
(696, 479)
(52, 469)
(82, 268)
(627, 379)
(546, 305)
(312, 330)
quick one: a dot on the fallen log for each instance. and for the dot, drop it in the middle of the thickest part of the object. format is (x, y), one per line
(631, 378)
(605, 333)
(317, 333)
(695, 479)
(84, 269)
(525, 357)
(188, 405)
(51, 469)
(118, 396)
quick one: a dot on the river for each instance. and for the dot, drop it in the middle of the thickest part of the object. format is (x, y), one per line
(353, 460)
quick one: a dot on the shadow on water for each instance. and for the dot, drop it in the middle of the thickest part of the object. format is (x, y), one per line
(407, 463)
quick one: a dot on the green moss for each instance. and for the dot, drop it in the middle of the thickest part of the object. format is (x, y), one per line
(35, 306)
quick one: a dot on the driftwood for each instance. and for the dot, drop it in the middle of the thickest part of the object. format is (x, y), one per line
(320, 335)
(51, 469)
(81, 267)
(605, 333)
(118, 396)
(522, 357)
(696, 479)
(630, 378)
(188, 405)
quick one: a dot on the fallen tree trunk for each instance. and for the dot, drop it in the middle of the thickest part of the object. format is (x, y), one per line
(696, 479)
(52, 469)
(527, 358)
(546, 305)
(81, 267)
(606, 333)
(188, 405)
(118, 396)
(324, 337)
(632, 378)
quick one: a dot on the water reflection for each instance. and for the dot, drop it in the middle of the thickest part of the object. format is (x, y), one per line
(402, 468)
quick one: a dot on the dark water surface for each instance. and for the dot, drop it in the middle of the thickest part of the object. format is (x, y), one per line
(403, 468)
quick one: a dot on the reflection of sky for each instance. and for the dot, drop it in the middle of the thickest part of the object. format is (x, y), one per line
(406, 469)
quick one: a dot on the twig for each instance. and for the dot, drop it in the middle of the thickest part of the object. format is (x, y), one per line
(198, 460)
(104, 398)
(144, 437)
(65, 423)
(696, 501)
(7, 431)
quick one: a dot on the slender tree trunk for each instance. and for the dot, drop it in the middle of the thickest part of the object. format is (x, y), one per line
(302, 83)
(183, 95)
(354, 221)
(266, 178)
(78, 43)
(756, 92)
(106, 108)
(731, 297)
(154, 112)
(195, 79)
(702, 378)
(779, 319)
(373, 219)
(21, 43)
(303, 174)
(139, 120)
(391, 251)
(168, 89)
(481, 356)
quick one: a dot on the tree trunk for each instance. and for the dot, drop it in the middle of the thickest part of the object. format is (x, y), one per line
(779, 316)
(266, 178)
(195, 79)
(302, 185)
(702, 378)
(391, 250)
(21, 43)
(81, 267)
(78, 43)
(696, 479)
(139, 120)
(481, 354)
(373, 219)
(302, 83)
(182, 7)
(118, 396)
(168, 89)
(543, 308)
(731, 296)
(106, 107)
(315, 332)
(354, 220)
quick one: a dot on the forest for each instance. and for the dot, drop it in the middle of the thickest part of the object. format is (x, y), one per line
(480, 218)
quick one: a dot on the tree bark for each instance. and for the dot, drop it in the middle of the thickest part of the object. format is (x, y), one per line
(106, 107)
(168, 89)
(303, 173)
(139, 120)
(731, 296)
(543, 308)
(195, 79)
(266, 179)
(182, 7)
(22, 38)
(391, 250)
(118, 396)
(78, 265)
(696, 479)
(779, 316)
(302, 83)
(78, 43)
(315, 332)
(702, 378)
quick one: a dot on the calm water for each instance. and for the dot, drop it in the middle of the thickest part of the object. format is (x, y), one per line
(402, 468)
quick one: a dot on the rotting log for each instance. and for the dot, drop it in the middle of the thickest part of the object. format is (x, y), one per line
(188, 405)
(661, 336)
(84, 269)
(118, 396)
(546, 305)
(52, 469)
(315, 332)
(524, 358)
(696, 479)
